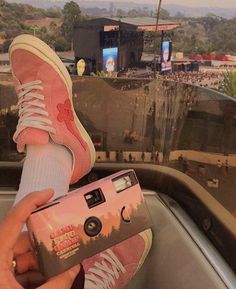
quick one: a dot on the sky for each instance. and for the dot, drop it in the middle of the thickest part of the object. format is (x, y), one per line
(193, 3)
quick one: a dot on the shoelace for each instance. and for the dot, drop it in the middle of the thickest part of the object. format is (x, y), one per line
(101, 276)
(32, 111)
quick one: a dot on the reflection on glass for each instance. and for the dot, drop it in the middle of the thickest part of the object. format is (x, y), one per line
(189, 128)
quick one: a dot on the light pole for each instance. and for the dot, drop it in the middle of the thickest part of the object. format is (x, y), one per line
(34, 28)
(155, 39)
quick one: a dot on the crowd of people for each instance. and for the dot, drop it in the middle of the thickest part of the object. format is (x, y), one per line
(207, 79)
(210, 79)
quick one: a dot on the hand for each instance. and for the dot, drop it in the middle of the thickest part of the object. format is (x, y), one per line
(26, 271)
(15, 245)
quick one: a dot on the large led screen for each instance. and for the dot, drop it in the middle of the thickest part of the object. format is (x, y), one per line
(166, 56)
(110, 56)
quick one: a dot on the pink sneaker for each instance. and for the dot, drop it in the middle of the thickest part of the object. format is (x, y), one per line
(44, 90)
(113, 268)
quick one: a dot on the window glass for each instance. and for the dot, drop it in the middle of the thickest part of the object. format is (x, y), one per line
(178, 125)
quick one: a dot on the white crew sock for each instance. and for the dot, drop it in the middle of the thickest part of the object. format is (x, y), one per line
(45, 166)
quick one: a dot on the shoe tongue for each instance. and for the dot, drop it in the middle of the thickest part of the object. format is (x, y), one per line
(90, 263)
(21, 73)
(31, 136)
(23, 79)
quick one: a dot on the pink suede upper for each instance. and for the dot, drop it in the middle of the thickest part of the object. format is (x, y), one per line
(129, 253)
(27, 67)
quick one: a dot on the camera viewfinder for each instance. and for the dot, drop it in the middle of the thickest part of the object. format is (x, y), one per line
(94, 198)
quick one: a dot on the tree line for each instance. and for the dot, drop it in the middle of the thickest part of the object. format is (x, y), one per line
(208, 34)
(14, 20)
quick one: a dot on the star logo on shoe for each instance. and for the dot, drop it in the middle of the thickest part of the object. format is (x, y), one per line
(66, 115)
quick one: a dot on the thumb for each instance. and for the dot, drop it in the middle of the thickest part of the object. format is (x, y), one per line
(62, 281)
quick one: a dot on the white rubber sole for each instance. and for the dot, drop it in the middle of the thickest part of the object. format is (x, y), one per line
(43, 51)
(147, 236)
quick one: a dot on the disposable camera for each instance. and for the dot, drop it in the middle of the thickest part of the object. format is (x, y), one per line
(87, 221)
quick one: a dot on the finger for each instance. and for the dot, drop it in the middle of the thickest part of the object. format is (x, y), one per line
(79, 279)
(11, 227)
(8, 281)
(62, 281)
(23, 244)
(26, 262)
(30, 279)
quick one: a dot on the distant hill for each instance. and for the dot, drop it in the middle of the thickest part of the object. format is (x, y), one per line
(200, 11)
(201, 35)
(84, 4)
(172, 8)
(19, 18)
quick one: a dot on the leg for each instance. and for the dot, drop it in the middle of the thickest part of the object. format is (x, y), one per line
(58, 149)
(45, 166)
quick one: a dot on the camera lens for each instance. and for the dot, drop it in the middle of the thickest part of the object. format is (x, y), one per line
(92, 226)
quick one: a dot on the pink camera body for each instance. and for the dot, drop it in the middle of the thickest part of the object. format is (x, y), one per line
(87, 221)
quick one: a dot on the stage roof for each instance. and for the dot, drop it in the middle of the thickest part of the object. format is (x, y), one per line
(127, 23)
(147, 23)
